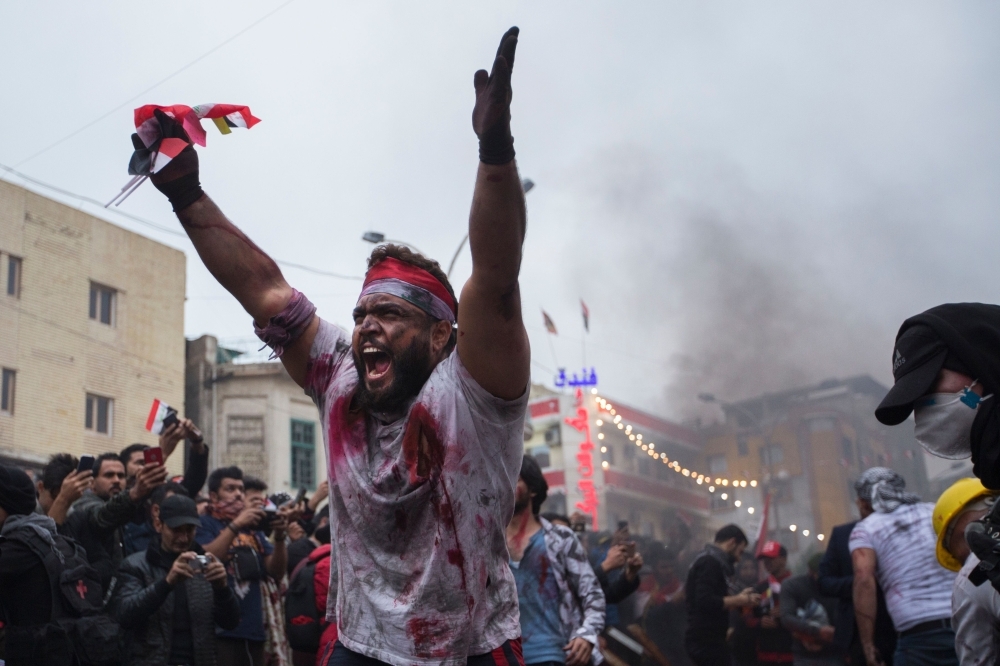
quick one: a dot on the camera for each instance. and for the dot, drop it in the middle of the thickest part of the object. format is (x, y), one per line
(199, 562)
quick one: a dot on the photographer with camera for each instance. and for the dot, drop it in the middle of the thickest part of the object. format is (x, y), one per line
(233, 531)
(171, 596)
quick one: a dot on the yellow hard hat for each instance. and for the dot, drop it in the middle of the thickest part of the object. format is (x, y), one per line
(949, 507)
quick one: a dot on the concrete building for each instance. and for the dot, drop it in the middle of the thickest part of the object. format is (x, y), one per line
(603, 459)
(91, 330)
(804, 447)
(254, 416)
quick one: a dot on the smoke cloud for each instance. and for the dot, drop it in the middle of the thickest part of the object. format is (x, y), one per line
(726, 289)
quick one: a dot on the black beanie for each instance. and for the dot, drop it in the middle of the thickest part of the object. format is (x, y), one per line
(17, 493)
(971, 331)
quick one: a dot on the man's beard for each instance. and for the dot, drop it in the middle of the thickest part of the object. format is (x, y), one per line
(521, 505)
(410, 370)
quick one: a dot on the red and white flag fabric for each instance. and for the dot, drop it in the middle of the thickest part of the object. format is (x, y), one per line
(159, 139)
(157, 413)
(225, 116)
(586, 316)
(762, 532)
(550, 325)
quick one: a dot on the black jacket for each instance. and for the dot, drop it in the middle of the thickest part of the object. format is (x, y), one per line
(614, 584)
(144, 606)
(97, 525)
(706, 587)
(836, 579)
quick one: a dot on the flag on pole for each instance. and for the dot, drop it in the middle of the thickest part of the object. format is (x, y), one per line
(550, 325)
(762, 532)
(586, 316)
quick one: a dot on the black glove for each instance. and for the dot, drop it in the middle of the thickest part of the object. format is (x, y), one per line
(491, 115)
(179, 179)
(983, 537)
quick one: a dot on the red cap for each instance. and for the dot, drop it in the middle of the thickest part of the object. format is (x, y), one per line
(771, 549)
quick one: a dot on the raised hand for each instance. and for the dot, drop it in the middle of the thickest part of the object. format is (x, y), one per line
(491, 115)
(146, 481)
(178, 180)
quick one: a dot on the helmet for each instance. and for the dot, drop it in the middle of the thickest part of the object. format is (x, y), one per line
(949, 507)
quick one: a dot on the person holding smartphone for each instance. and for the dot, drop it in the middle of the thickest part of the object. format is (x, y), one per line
(139, 533)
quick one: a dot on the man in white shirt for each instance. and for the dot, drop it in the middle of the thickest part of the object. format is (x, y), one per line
(896, 545)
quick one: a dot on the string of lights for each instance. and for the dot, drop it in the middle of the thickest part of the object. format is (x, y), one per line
(712, 484)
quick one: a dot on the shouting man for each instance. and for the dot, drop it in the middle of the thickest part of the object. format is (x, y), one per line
(422, 410)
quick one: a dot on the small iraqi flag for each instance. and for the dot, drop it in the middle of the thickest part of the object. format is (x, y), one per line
(550, 325)
(586, 315)
(159, 413)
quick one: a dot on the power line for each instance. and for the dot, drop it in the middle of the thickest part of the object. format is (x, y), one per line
(154, 86)
(159, 227)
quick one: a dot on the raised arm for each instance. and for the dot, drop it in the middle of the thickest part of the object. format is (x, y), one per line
(233, 259)
(492, 342)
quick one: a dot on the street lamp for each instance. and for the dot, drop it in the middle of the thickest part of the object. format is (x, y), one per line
(377, 237)
(527, 184)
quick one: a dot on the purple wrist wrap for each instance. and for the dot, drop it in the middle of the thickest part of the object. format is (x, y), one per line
(288, 325)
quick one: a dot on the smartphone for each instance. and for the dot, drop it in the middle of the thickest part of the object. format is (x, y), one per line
(153, 455)
(622, 524)
(170, 419)
(300, 497)
(86, 463)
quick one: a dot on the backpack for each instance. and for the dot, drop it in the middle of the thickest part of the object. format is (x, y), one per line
(303, 623)
(78, 625)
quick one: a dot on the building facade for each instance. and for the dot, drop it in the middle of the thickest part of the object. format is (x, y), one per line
(254, 416)
(804, 449)
(603, 460)
(91, 330)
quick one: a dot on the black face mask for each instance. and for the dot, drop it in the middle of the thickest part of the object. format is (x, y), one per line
(985, 440)
(411, 369)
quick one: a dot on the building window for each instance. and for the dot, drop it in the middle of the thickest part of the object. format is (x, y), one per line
(102, 303)
(771, 455)
(7, 391)
(742, 447)
(303, 454)
(13, 276)
(609, 455)
(717, 464)
(100, 412)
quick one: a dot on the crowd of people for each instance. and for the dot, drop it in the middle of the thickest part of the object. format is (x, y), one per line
(151, 571)
(431, 547)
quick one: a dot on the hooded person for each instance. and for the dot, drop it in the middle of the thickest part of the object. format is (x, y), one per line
(49, 597)
(946, 367)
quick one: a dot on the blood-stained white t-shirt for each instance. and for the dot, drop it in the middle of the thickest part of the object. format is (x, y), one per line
(419, 508)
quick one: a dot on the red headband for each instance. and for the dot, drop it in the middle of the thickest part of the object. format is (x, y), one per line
(391, 268)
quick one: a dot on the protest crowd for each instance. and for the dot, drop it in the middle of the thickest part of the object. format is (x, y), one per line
(428, 544)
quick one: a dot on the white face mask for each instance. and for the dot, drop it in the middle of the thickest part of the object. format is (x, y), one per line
(944, 422)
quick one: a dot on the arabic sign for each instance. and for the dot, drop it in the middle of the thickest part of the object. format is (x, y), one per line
(585, 378)
(585, 460)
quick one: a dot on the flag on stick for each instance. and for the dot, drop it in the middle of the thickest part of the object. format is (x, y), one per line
(586, 316)
(161, 415)
(550, 325)
(762, 532)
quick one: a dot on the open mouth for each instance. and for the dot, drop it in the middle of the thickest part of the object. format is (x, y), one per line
(377, 362)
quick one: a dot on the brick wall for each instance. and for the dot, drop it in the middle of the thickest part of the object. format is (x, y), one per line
(60, 353)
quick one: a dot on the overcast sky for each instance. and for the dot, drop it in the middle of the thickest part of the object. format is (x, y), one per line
(748, 196)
